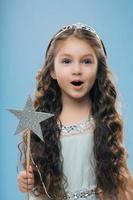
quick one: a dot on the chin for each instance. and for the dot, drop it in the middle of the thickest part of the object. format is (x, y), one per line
(79, 97)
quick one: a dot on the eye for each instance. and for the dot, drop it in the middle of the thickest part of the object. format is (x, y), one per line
(87, 61)
(66, 61)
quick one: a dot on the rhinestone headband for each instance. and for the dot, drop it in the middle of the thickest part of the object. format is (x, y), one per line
(78, 25)
(82, 26)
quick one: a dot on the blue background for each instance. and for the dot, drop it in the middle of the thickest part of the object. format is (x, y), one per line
(26, 28)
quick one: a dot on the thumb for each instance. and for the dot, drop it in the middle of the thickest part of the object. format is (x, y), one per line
(30, 169)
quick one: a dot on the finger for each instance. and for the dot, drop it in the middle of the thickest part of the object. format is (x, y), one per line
(27, 181)
(23, 188)
(25, 175)
(30, 169)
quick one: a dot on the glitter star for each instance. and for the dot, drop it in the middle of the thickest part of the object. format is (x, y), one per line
(30, 119)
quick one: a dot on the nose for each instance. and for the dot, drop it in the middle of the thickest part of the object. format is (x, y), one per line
(76, 68)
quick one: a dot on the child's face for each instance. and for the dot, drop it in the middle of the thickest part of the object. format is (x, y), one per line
(75, 68)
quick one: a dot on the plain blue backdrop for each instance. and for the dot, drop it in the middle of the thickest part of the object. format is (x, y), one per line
(26, 28)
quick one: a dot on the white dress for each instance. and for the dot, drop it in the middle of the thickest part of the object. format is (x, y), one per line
(79, 164)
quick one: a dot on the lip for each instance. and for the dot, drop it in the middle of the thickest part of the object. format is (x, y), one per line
(79, 87)
(77, 80)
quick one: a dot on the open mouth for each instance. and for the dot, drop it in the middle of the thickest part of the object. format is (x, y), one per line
(77, 83)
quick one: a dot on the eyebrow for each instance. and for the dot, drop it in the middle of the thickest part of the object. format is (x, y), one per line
(69, 55)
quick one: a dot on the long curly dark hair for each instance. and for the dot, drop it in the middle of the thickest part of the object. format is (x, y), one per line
(110, 155)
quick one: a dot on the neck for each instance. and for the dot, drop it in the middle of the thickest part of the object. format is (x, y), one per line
(75, 110)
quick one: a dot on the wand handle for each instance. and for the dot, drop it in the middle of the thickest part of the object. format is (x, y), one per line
(28, 159)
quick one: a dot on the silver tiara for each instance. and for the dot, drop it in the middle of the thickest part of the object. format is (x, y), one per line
(77, 25)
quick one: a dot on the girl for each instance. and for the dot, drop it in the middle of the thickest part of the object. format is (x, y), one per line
(83, 156)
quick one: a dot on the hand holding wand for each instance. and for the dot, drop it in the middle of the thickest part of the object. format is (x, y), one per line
(29, 120)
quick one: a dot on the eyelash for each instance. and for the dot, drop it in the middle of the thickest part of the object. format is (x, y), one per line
(67, 61)
(88, 61)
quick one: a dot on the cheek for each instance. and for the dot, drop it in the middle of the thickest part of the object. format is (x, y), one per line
(61, 78)
(92, 75)
(61, 73)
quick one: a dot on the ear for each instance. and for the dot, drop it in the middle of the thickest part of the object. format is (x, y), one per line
(53, 74)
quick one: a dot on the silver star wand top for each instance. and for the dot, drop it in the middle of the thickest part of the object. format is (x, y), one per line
(30, 120)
